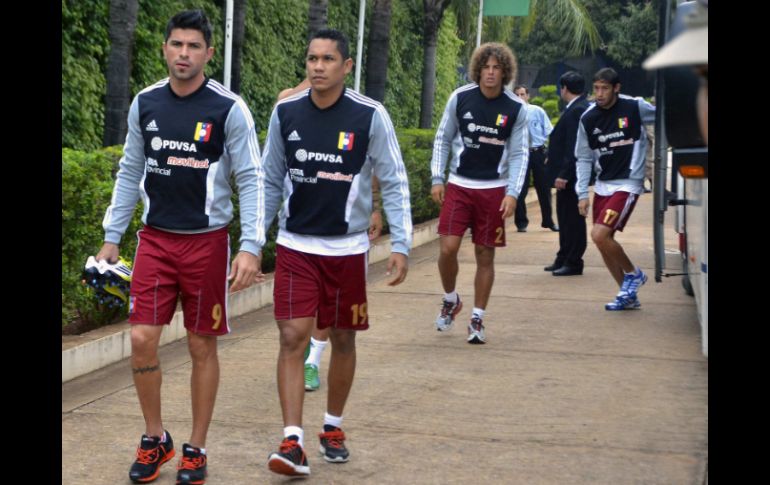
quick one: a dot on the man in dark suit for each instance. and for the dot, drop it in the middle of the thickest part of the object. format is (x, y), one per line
(561, 163)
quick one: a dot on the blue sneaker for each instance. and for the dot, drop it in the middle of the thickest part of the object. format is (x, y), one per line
(623, 301)
(632, 282)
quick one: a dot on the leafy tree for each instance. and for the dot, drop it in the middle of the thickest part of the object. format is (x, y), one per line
(84, 59)
(553, 28)
(633, 36)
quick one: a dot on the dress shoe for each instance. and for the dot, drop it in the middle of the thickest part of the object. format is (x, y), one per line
(521, 229)
(552, 227)
(567, 271)
(553, 267)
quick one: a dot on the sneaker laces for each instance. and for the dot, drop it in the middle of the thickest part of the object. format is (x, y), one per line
(191, 463)
(446, 308)
(335, 438)
(635, 282)
(146, 457)
(287, 446)
(476, 324)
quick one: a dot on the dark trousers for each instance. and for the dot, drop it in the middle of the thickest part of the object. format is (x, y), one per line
(572, 229)
(543, 185)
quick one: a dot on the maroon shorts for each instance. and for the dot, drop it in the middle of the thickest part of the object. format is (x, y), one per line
(478, 209)
(332, 287)
(193, 265)
(613, 211)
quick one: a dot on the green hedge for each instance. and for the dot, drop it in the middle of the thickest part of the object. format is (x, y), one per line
(273, 57)
(87, 183)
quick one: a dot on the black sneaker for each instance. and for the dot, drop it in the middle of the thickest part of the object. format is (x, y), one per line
(150, 455)
(290, 458)
(333, 445)
(191, 469)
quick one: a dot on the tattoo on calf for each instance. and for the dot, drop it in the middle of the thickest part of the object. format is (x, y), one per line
(142, 370)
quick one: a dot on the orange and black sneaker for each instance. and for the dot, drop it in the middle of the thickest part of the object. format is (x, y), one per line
(150, 455)
(333, 445)
(192, 467)
(290, 458)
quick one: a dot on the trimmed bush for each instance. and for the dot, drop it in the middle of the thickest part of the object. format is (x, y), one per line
(87, 181)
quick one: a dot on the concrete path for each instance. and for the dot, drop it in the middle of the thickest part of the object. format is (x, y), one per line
(563, 393)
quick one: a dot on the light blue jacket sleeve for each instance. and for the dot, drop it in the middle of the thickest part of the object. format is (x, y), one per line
(517, 151)
(646, 110)
(125, 193)
(442, 144)
(547, 124)
(243, 149)
(385, 156)
(274, 163)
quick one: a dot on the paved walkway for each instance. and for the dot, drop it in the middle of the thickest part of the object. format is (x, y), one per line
(564, 392)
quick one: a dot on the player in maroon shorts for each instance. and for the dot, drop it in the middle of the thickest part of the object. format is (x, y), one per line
(187, 136)
(484, 130)
(324, 146)
(612, 141)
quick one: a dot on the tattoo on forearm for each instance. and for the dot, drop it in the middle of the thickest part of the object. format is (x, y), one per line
(142, 370)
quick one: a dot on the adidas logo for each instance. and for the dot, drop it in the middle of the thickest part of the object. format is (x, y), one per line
(151, 126)
(467, 116)
(596, 131)
(294, 136)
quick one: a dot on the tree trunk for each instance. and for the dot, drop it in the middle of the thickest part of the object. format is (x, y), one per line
(434, 12)
(317, 16)
(378, 50)
(118, 98)
(239, 28)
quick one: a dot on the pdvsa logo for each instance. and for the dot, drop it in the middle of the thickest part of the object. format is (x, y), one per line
(303, 156)
(472, 127)
(157, 143)
(611, 136)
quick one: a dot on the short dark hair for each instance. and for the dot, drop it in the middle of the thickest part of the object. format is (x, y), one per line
(502, 53)
(521, 86)
(573, 81)
(333, 34)
(190, 19)
(607, 74)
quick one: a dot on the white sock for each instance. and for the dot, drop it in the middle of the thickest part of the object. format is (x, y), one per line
(316, 349)
(335, 421)
(163, 437)
(203, 451)
(296, 431)
(451, 297)
(478, 312)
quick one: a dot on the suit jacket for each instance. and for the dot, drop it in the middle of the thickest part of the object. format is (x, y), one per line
(561, 147)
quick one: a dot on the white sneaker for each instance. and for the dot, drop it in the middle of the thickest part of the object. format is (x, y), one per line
(448, 313)
(476, 332)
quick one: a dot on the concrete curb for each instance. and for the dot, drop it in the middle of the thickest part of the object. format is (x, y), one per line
(100, 352)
